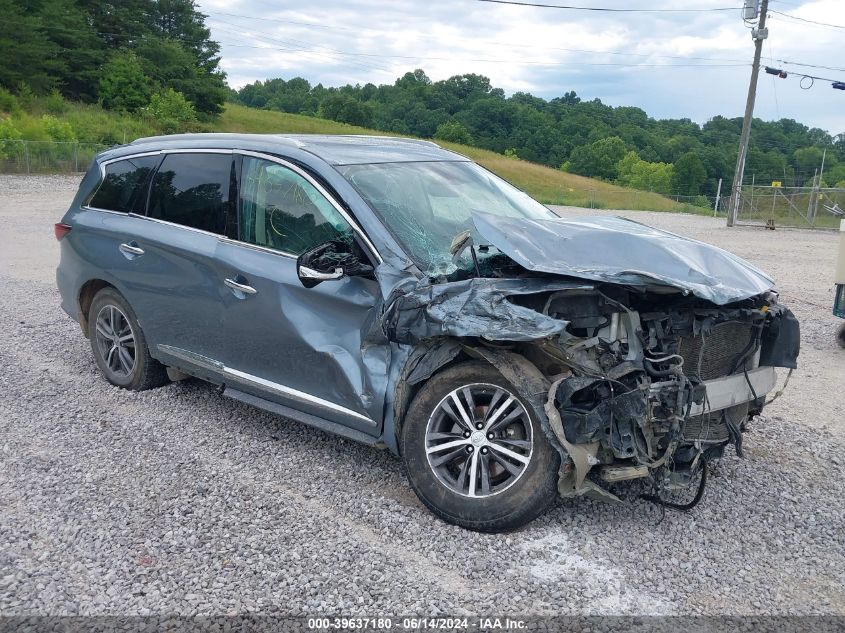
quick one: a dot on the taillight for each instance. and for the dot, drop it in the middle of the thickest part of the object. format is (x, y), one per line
(60, 229)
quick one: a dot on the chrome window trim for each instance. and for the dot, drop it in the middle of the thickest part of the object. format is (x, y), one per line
(256, 247)
(214, 365)
(268, 157)
(86, 207)
(321, 190)
(218, 236)
(117, 160)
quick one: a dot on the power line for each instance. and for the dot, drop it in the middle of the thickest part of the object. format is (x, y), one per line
(306, 47)
(515, 45)
(783, 61)
(533, 47)
(606, 9)
(795, 17)
(488, 61)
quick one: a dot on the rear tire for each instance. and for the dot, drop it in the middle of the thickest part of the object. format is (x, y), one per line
(840, 336)
(492, 478)
(119, 346)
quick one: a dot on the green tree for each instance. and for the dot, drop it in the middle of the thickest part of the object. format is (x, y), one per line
(27, 56)
(169, 64)
(453, 132)
(124, 86)
(346, 109)
(639, 174)
(599, 159)
(172, 110)
(807, 160)
(82, 53)
(688, 175)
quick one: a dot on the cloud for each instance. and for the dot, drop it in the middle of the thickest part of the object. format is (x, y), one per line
(672, 65)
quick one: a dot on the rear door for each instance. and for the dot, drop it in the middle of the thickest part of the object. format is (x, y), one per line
(294, 345)
(170, 272)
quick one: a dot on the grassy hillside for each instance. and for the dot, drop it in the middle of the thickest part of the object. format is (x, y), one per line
(550, 186)
(90, 125)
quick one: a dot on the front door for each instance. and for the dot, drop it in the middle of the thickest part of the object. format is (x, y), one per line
(294, 345)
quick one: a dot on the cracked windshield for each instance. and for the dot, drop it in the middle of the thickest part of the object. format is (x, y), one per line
(426, 204)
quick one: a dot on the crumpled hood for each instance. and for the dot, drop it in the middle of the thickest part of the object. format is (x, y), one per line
(621, 251)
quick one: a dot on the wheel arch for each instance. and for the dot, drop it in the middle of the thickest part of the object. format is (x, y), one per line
(85, 297)
(434, 356)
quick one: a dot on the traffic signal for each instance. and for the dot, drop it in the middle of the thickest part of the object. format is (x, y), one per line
(776, 71)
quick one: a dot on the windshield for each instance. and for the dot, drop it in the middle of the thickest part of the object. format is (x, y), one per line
(426, 204)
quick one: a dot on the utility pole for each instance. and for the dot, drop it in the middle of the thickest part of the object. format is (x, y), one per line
(758, 34)
(814, 194)
(718, 197)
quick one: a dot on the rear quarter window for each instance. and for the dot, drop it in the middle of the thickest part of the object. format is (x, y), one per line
(125, 185)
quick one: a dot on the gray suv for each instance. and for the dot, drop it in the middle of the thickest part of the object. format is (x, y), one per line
(398, 294)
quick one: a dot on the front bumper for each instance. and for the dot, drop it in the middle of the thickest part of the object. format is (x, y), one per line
(729, 391)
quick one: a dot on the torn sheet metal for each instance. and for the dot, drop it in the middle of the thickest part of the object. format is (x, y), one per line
(621, 251)
(473, 307)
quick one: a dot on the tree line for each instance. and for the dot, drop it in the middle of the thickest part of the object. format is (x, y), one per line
(618, 144)
(130, 55)
(156, 59)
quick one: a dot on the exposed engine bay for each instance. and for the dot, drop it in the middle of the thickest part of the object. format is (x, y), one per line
(648, 386)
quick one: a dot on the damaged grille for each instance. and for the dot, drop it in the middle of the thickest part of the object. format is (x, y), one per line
(709, 356)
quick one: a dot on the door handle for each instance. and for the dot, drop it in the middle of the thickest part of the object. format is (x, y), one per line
(131, 249)
(234, 285)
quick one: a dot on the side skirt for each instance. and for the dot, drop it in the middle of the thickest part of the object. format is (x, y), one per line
(304, 418)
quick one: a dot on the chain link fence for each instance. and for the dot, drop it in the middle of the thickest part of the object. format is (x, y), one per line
(798, 207)
(46, 157)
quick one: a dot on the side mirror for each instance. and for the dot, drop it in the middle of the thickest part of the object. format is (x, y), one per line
(329, 261)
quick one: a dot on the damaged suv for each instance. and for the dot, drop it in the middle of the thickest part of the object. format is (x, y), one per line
(398, 294)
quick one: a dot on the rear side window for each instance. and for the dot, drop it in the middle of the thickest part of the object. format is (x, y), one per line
(125, 185)
(193, 190)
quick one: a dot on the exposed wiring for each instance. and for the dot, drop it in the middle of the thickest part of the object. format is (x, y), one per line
(780, 391)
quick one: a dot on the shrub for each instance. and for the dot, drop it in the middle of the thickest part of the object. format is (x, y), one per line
(57, 129)
(123, 85)
(8, 101)
(55, 103)
(171, 110)
(511, 153)
(8, 135)
(453, 132)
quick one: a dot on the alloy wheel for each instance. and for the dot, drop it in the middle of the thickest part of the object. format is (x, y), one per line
(479, 440)
(115, 341)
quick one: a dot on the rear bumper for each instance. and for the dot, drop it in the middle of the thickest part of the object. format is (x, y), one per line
(68, 291)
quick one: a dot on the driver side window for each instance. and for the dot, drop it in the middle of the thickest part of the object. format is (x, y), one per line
(280, 209)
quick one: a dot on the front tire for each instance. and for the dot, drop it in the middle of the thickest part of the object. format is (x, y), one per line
(475, 452)
(119, 346)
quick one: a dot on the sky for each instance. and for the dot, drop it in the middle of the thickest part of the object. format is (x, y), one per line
(679, 64)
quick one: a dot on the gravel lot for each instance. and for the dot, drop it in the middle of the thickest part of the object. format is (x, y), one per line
(180, 501)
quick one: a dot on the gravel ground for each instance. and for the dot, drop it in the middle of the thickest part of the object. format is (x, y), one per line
(180, 501)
